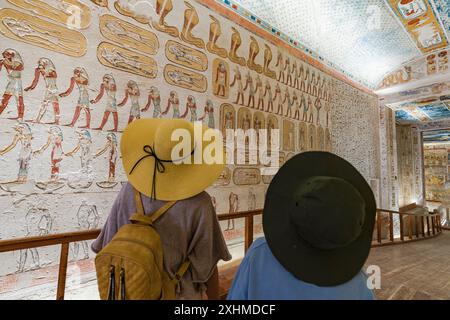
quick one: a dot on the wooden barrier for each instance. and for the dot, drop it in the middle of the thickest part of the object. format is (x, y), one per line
(433, 224)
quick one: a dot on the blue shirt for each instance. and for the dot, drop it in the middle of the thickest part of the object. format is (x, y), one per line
(262, 277)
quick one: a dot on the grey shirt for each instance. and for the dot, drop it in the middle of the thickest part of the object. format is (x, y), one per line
(188, 230)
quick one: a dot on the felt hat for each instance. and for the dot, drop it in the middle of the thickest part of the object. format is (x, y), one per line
(319, 217)
(171, 159)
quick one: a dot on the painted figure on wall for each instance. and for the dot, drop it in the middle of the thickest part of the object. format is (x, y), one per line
(23, 136)
(296, 105)
(281, 68)
(47, 70)
(109, 87)
(221, 80)
(209, 114)
(313, 89)
(191, 105)
(253, 53)
(311, 111)
(251, 90)
(246, 122)
(271, 126)
(280, 99)
(83, 179)
(268, 92)
(294, 72)
(287, 97)
(191, 20)
(215, 31)
(320, 87)
(233, 201)
(88, 219)
(287, 70)
(38, 222)
(306, 107)
(163, 8)
(301, 78)
(318, 106)
(173, 102)
(268, 56)
(261, 93)
(258, 124)
(155, 98)
(81, 79)
(227, 118)
(55, 139)
(132, 91)
(13, 63)
(111, 145)
(236, 42)
(299, 106)
(240, 86)
(306, 81)
(325, 90)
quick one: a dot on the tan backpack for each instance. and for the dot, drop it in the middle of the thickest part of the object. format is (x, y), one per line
(131, 266)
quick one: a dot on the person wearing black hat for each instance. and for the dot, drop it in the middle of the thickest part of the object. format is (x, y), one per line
(318, 222)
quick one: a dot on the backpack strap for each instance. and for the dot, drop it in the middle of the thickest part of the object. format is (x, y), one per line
(140, 211)
(140, 216)
(181, 271)
(138, 202)
(162, 210)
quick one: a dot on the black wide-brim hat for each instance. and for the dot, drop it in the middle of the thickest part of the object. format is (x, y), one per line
(325, 268)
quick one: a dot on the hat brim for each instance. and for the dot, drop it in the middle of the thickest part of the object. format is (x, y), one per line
(325, 268)
(178, 182)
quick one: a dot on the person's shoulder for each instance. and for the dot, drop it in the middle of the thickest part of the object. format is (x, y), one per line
(201, 200)
(259, 246)
(126, 189)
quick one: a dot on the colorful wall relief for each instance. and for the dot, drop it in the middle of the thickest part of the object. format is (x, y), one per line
(67, 95)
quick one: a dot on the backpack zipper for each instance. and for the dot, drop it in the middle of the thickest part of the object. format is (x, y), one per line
(122, 285)
(112, 283)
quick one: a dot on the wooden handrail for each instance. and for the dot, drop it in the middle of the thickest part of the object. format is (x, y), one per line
(434, 228)
(414, 223)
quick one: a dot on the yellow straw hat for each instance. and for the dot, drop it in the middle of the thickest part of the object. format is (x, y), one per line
(171, 160)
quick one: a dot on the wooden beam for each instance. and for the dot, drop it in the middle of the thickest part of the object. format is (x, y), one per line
(62, 271)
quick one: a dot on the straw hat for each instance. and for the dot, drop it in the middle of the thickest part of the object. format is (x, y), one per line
(167, 159)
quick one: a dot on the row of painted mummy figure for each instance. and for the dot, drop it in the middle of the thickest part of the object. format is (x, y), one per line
(23, 137)
(300, 78)
(14, 66)
(317, 97)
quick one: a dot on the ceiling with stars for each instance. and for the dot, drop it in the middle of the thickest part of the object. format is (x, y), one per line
(438, 136)
(367, 39)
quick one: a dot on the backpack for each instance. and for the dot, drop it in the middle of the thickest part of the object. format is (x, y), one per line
(131, 266)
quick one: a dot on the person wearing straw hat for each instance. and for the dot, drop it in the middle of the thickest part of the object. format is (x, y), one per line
(189, 230)
(318, 222)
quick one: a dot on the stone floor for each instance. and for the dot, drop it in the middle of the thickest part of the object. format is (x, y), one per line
(418, 270)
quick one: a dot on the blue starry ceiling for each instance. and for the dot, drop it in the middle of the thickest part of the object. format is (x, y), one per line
(363, 39)
(426, 111)
(438, 136)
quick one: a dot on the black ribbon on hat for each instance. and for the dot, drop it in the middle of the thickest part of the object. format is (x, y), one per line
(159, 165)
